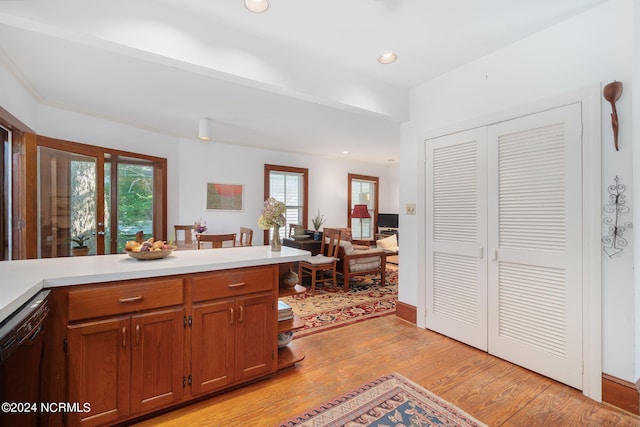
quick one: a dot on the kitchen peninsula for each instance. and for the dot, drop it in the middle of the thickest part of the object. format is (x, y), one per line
(132, 337)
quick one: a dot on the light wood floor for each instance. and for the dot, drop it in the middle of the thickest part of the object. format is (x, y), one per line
(494, 391)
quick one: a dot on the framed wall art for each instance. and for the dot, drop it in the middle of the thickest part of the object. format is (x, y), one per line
(225, 197)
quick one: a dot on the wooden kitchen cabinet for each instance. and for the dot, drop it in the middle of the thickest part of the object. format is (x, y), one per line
(99, 368)
(138, 346)
(125, 365)
(232, 341)
(128, 364)
(233, 328)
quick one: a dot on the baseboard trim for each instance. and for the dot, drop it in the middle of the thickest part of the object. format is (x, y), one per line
(620, 393)
(407, 312)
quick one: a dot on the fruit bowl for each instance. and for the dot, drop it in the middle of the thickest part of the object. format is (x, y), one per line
(147, 255)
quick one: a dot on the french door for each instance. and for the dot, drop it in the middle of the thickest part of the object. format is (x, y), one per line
(504, 256)
(89, 196)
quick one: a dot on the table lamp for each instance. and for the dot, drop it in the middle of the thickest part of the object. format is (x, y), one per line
(361, 212)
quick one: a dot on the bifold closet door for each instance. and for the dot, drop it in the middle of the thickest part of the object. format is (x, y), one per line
(456, 266)
(504, 240)
(535, 242)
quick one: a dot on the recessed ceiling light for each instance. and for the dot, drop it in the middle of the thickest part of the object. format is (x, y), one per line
(387, 58)
(345, 152)
(256, 6)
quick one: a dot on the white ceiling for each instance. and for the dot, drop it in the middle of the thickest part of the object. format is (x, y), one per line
(302, 77)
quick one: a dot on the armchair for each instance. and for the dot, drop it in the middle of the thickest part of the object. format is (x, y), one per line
(358, 260)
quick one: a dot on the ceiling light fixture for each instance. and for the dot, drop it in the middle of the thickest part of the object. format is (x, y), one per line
(387, 58)
(204, 129)
(257, 6)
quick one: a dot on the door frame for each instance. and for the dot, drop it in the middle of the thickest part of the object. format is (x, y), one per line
(589, 98)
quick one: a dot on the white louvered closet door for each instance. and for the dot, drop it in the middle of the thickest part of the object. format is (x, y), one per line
(456, 236)
(535, 242)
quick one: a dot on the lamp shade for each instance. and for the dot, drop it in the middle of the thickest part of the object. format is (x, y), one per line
(360, 211)
(204, 129)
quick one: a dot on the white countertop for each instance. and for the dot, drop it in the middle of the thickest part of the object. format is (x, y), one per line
(21, 280)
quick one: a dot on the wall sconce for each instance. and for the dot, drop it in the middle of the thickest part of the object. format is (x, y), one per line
(204, 130)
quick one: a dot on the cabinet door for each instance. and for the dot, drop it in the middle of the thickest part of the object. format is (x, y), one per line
(256, 343)
(212, 345)
(99, 370)
(156, 359)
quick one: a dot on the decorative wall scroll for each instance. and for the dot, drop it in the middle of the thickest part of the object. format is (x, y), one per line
(614, 243)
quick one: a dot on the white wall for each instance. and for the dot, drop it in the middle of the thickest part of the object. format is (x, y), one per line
(635, 91)
(202, 162)
(16, 99)
(595, 47)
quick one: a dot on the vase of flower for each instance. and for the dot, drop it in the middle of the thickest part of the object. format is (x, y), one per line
(276, 243)
(273, 217)
(199, 226)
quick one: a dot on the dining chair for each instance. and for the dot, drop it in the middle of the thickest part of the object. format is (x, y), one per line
(324, 262)
(187, 232)
(217, 240)
(246, 237)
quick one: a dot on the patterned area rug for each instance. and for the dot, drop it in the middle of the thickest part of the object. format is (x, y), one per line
(328, 309)
(392, 400)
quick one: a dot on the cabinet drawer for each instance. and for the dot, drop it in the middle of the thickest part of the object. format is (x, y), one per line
(228, 283)
(125, 297)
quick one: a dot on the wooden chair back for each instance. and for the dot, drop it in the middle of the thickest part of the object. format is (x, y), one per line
(217, 240)
(246, 237)
(330, 242)
(292, 229)
(187, 232)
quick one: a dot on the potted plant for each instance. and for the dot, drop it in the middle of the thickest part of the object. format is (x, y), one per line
(80, 240)
(317, 221)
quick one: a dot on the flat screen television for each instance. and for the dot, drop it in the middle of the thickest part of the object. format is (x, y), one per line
(387, 220)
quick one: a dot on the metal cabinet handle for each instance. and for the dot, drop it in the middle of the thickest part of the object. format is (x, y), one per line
(138, 334)
(124, 300)
(124, 337)
(231, 316)
(241, 314)
(236, 285)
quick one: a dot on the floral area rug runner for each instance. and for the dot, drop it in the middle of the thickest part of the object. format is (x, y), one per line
(391, 400)
(329, 309)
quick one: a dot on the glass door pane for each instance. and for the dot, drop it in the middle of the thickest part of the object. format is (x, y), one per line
(66, 203)
(134, 209)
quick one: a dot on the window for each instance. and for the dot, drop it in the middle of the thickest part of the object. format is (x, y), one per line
(288, 185)
(363, 190)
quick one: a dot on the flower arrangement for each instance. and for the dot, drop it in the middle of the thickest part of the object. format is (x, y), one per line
(317, 221)
(200, 226)
(272, 214)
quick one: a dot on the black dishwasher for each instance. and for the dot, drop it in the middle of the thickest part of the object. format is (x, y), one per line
(21, 359)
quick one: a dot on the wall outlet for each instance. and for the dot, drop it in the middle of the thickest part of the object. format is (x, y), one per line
(410, 208)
